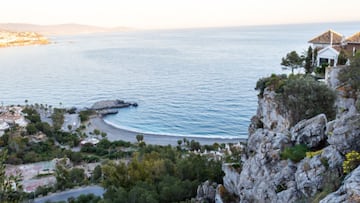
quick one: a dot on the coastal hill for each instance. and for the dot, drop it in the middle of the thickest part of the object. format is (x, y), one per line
(61, 29)
(9, 39)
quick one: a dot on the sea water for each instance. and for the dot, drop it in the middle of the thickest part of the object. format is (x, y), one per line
(191, 82)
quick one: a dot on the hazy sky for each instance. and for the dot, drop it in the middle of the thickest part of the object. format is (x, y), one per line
(178, 13)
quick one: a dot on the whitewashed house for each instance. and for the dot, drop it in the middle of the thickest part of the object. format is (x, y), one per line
(328, 45)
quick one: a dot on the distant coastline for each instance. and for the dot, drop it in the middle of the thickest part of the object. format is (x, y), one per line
(11, 39)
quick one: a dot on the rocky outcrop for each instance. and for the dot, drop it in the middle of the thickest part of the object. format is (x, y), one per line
(231, 179)
(310, 132)
(111, 104)
(206, 192)
(270, 114)
(344, 133)
(348, 192)
(265, 177)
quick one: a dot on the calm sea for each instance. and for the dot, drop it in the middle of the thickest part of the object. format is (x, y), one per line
(187, 82)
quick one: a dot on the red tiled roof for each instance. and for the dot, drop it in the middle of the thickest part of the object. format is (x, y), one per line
(325, 38)
(355, 38)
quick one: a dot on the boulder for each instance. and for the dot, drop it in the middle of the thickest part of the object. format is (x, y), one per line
(309, 176)
(310, 132)
(344, 133)
(348, 192)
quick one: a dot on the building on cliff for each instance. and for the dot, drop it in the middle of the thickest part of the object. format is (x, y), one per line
(329, 45)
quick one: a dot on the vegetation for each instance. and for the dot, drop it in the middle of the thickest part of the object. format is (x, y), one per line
(10, 187)
(158, 174)
(295, 153)
(310, 55)
(292, 61)
(312, 154)
(85, 115)
(301, 96)
(274, 83)
(69, 178)
(351, 162)
(58, 118)
(351, 75)
(342, 58)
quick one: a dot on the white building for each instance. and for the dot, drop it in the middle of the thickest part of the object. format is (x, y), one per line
(328, 45)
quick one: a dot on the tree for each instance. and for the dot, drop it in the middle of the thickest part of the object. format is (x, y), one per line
(97, 174)
(96, 131)
(10, 186)
(292, 60)
(309, 61)
(140, 138)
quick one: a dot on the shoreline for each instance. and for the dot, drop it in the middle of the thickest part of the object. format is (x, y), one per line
(114, 133)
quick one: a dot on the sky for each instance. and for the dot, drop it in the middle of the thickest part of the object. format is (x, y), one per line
(150, 14)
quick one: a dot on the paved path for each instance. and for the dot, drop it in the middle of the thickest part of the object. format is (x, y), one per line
(63, 196)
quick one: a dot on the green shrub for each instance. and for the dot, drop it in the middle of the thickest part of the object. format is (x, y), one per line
(351, 162)
(84, 115)
(274, 82)
(351, 74)
(300, 96)
(304, 97)
(295, 153)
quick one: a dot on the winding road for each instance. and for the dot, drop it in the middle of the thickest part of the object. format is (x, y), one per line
(63, 196)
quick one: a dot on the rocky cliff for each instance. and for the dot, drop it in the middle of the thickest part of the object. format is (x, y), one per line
(267, 177)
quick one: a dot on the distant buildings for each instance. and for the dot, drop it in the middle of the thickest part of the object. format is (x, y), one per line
(11, 116)
(329, 45)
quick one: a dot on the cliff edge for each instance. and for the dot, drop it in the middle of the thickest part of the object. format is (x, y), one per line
(274, 167)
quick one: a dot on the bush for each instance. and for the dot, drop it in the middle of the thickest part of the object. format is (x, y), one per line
(295, 153)
(351, 162)
(351, 75)
(312, 154)
(301, 96)
(274, 82)
(304, 98)
(84, 115)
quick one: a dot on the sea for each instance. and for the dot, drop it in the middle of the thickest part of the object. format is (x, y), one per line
(187, 82)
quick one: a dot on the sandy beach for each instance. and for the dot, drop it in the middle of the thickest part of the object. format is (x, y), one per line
(114, 133)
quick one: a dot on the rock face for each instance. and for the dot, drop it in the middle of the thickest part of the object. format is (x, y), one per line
(269, 114)
(348, 192)
(111, 104)
(206, 192)
(310, 132)
(265, 177)
(344, 133)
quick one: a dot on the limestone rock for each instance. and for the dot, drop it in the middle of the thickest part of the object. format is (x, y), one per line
(344, 133)
(269, 113)
(310, 132)
(348, 192)
(309, 177)
(206, 192)
(231, 179)
(263, 172)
